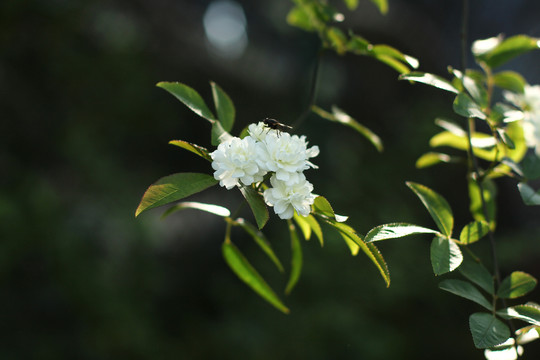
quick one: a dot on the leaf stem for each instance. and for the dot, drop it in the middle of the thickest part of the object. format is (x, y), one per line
(474, 169)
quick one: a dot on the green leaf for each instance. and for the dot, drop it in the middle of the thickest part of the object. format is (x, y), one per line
(490, 193)
(478, 274)
(173, 188)
(516, 284)
(309, 224)
(382, 5)
(473, 232)
(247, 273)
(358, 44)
(382, 50)
(465, 106)
(299, 17)
(430, 79)
(219, 134)
(260, 240)
(433, 158)
(446, 255)
(528, 194)
(224, 107)
(479, 140)
(303, 225)
(351, 4)
(196, 149)
(466, 290)
(437, 206)
(508, 49)
(394, 231)
(321, 206)
(257, 205)
(348, 233)
(189, 97)
(529, 312)
(296, 258)
(476, 90)
(531, 167)
(340, 116)
(210, 208)
(337, 40)
(487, 331)
(510, 80)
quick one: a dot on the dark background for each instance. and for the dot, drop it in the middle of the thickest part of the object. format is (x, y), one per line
(85, 131)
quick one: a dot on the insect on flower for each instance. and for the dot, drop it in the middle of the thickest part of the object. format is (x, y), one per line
(276, 125)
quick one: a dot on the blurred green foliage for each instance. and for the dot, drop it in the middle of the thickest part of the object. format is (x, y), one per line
(83, 125)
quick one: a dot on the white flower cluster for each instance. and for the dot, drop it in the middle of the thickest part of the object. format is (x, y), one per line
(529, 103)
(242, 162)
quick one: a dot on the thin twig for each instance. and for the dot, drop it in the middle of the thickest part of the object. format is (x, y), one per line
(312, 92)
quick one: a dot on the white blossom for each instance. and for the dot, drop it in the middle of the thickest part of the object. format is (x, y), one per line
(286, 198)
(286, 155)
(234, 162)
(259, 131)
(529, 102)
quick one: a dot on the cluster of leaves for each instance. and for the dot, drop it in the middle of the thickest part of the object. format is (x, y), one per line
(501, 151)
(503, 147)
(320, 17)
(175, 187)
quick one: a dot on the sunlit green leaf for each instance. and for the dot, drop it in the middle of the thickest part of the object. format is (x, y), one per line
(516, 284)
(478, 274)
(224, 107)
(196, 149)
(476, 90)
(386, 50)
(340, 116)
(358, 44)
(487, 331)
(337, 39)
(382, 5)
(529, 312)
(210, 208)
(260, 240)
(466, 290)
(476, 203)
(247, 273)
(528, 194)
(508, 49)
(446, 255)
(433, 158)
(483, 46)
(296, 258)
(447, 138)
(321, 206)
(430, 79)
(309, 225)
(173, 188)
(510, 80)
(189, 97)
(437, 206)
(473, 232)
(392, 62)
(394, 231)
(303, 225)
(257, 205)
(465, 106)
